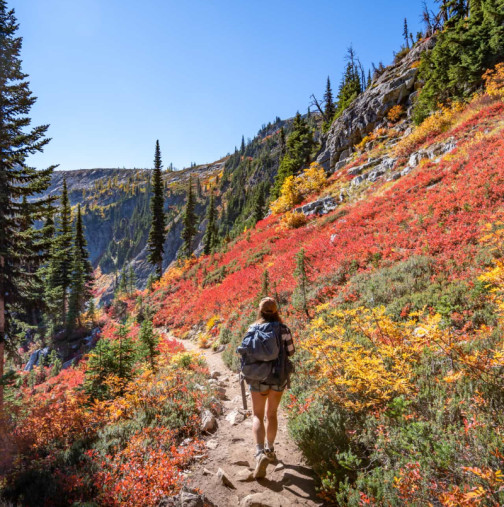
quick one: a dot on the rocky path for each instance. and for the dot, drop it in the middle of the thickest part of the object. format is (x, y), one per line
(222, 476)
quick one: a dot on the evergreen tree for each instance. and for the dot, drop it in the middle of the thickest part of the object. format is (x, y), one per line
(406, 33)
(242, 147)
(351, 84)
(210, 238)
(299, 146)
(100, 365)
(259, 206)
(81, 278)
(330, 109)
(123, 282)
(62, 259)
(300, 295)
(148, 343)
(189, 222)
(283, 144)
(124, 352)
(131, 280)
(158, 224)
(17, 180)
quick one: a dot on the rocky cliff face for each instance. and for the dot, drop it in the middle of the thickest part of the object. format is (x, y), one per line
(396, 86)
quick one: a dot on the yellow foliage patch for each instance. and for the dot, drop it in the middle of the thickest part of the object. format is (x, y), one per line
(494, 81)
(296, 188)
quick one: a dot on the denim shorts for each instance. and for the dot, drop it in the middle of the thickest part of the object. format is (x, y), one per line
(257, 387)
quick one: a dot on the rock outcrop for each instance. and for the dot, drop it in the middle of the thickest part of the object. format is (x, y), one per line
(397, 85)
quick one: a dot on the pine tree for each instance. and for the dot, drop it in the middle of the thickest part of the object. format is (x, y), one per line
(124, 352)
(300, 295)
(81, 278)
(351, 84)
(283, 144)
(210, 238)
(330, 109)
(242, 147)
(406, 33)
(131, 280)
(62, 258)
(17, 180)
(158, 225)
(189, 222)
(149, 342)
(298, 152)
(259, 206)
(100, 365)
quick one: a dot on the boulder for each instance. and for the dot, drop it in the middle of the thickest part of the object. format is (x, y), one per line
(212, 444)
(208, 421)
(223, 478)
(235, 417)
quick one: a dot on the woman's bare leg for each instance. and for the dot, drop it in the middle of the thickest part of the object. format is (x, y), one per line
(274, 398)
(258, 408)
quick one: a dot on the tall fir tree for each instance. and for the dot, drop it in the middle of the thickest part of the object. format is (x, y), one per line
(158, 218)
(17, 141)
(189, 222)
(148, 343)
(406, 33)
(62, 258)
(329, 107)
(300, 294)
(82, 275)
(298, 151)
(351, 83)
(210, 238)
(259, 206)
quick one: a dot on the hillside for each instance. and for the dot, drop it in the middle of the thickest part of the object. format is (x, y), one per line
(397, 283)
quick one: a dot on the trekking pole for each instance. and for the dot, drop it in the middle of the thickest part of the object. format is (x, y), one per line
(243, 393)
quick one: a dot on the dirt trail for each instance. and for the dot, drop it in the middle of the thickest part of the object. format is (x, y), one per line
(288, 483)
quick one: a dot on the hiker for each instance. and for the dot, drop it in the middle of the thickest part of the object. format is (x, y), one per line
(266, 368)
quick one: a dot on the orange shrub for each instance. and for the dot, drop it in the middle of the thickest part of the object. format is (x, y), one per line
(395, 113)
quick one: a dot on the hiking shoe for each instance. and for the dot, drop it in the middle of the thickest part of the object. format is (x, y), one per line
(271, 455)
(262, 462)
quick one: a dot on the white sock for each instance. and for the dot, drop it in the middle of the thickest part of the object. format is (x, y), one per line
(259, 449)
(270, 446)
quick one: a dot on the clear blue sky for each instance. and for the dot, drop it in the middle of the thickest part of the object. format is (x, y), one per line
(112, 76)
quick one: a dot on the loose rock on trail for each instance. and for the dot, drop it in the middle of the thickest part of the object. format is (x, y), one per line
(224, 477)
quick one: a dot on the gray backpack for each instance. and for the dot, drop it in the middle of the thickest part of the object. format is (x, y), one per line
(259, 351)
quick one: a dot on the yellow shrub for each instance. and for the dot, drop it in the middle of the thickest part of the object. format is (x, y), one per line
(293, 220)
(296, 188)
(361, 358)
(435, 124)
(494, 81)
(211, 322)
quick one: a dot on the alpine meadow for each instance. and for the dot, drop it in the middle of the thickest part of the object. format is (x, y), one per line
(369, 223)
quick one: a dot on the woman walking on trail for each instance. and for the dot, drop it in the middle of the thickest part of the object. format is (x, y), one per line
(266, 393)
